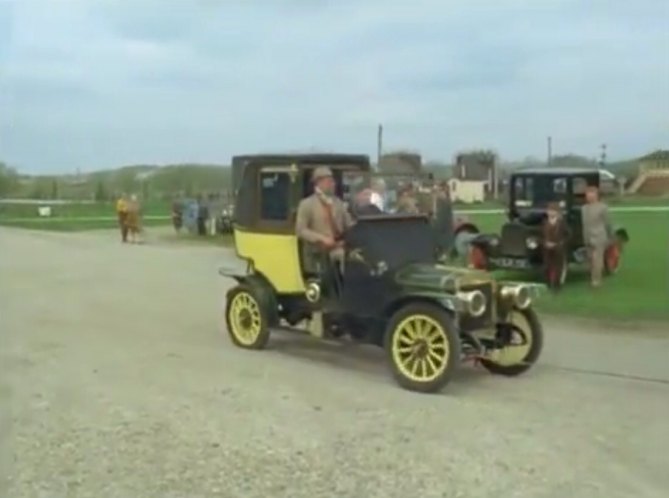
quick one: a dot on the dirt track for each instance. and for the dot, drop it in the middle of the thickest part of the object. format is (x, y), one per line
(120, 384)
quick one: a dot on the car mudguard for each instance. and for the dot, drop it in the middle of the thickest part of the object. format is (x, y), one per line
(262, 288)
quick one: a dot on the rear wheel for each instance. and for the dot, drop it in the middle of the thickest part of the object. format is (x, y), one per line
(525, 341)
(246, 319)
(423, 347)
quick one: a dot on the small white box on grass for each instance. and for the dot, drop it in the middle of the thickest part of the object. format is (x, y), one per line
(44, 211)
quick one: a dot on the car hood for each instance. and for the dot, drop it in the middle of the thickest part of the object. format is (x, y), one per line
(435, 276)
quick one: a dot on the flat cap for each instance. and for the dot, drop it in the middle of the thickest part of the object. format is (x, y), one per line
(321, 172)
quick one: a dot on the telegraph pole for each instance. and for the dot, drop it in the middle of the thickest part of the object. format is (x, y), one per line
(379, 145)
(602, 157)
(550, 150)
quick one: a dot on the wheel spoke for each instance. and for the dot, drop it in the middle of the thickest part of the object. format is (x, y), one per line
(405, 350)
(431, 362)
(420, 348)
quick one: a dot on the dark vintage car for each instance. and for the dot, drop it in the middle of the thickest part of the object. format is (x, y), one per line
(391, 292)
(519, 245)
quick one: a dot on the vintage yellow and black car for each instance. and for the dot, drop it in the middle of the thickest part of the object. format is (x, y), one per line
(391, 291)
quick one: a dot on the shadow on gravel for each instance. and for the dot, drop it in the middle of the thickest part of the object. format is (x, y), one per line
(362, 359)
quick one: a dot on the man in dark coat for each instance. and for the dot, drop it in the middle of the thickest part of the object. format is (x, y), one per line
(555, 237)
(443, 217)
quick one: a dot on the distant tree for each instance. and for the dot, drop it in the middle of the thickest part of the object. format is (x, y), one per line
(9, 180)
(100, 192)
(145, 190)
(54, 189)
(573, 161)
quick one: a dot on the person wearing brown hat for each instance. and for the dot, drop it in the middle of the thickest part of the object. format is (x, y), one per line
(555, 237)
(322, 218)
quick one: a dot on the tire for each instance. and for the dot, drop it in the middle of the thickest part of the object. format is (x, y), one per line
(245, 318)
(523, 360)
(439, 347)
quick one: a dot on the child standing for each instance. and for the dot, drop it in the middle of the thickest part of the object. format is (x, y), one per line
(555, 237)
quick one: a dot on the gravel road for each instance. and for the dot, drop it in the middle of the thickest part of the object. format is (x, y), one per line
(118, 382)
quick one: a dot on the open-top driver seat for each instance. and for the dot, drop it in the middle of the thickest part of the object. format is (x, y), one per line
(317, 266)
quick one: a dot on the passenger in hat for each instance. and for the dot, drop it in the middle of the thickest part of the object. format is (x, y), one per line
(363, 204)
(322, 218)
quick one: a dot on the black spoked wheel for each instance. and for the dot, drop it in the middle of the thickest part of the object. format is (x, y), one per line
(525, 337)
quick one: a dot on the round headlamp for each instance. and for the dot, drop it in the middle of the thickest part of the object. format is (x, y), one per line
(532, 243)
(474, 302)
(520, 294)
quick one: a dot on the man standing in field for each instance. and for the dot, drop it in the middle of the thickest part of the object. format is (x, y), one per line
(122, 214)
(596, 233)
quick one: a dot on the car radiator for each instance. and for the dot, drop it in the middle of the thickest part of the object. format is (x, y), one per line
(513, 240)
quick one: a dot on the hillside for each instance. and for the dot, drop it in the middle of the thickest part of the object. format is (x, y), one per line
(192, 179)
(147, 180)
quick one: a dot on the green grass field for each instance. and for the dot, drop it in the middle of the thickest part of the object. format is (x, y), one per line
(640, 289)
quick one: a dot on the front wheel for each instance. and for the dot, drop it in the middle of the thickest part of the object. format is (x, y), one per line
(246, 320)
(423, 347)
(523, 338)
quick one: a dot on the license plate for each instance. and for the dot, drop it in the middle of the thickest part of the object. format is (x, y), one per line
(510, 263)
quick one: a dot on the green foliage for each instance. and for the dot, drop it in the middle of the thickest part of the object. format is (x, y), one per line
(101, 192)
(637, 292)
(8, 180)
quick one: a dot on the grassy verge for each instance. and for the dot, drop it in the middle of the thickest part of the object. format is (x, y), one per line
(72, 224)
(638, 292)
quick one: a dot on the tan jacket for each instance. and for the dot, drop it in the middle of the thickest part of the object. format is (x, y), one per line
(312, 224)
(596, 224)
(407, 205)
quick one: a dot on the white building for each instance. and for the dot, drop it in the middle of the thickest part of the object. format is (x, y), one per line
(467, 191)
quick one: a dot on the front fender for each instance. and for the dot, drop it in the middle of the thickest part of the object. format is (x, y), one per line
(262, 289)
(485, 240)
(447, 301)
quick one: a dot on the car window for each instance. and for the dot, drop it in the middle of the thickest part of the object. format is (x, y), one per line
(274, 196)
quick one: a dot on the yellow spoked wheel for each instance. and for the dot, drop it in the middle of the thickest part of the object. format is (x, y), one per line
(422, 346)
(245, 319)
(524, 336)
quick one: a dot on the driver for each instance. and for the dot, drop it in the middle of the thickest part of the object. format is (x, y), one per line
(322, 218)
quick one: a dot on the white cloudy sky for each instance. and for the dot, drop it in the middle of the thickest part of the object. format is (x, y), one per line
(100, 83)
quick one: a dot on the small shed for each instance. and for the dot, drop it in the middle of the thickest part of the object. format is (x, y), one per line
(467, 191)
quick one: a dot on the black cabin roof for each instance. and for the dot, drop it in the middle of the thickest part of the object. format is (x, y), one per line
(304, 159)
(556, 172)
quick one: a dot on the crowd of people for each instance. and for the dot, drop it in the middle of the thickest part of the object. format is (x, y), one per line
(323, 218)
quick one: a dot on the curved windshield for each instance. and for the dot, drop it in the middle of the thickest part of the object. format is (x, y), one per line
(539, 191)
